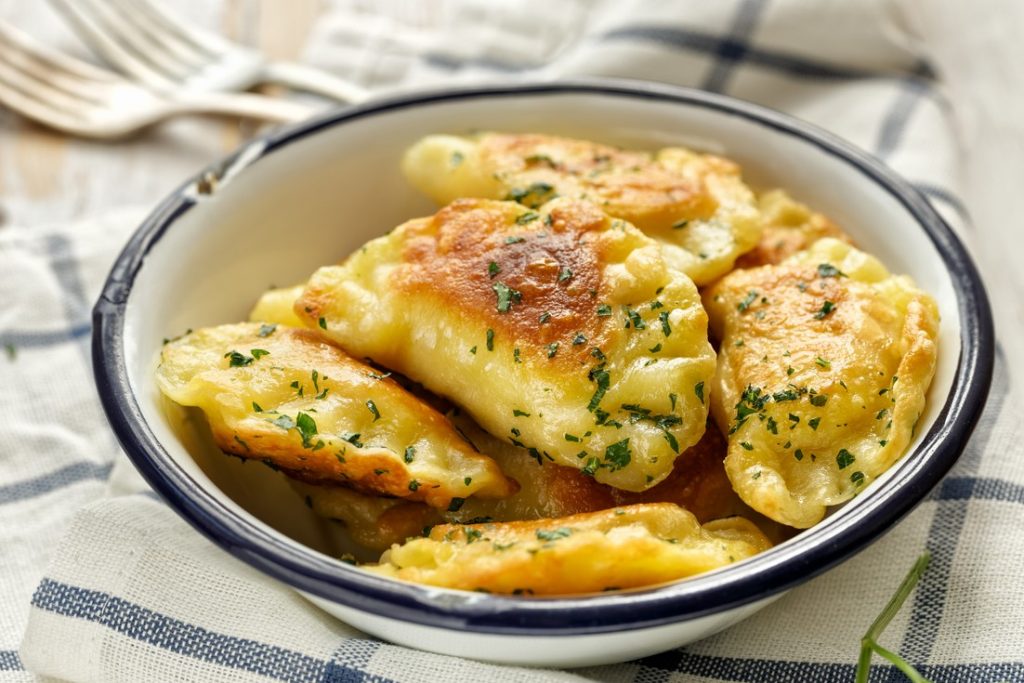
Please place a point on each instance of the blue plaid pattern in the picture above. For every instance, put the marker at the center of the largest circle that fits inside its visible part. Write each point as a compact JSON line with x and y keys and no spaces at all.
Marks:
{"x":729,"y":53}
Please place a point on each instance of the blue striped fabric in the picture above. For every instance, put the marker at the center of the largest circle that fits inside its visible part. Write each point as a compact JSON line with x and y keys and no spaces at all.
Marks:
{"x":734,"y":44}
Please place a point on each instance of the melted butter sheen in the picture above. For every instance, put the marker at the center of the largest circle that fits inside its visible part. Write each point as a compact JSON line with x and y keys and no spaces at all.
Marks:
{"x":695,"y":205}
{"x":540,"y":324}
{"x":824,"y":364}
{"x":624,"y":547}
{"x":301,"y":404}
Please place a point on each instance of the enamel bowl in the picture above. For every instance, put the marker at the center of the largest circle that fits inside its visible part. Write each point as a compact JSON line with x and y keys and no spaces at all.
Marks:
{"x":308,"y":195}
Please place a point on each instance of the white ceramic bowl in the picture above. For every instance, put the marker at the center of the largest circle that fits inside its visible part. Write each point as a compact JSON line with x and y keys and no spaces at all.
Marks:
{"x":302,"y":197}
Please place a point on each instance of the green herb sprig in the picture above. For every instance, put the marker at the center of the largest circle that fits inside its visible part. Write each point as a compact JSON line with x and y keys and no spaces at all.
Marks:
{"x":869,"y":643}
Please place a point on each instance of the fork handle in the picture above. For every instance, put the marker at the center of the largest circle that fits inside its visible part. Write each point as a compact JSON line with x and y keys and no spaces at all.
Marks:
{"x":246,"y":105}
{"x":301,"y":77}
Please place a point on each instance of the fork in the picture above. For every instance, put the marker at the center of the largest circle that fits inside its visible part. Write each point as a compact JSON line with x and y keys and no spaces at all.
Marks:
{"x":79,"y":98}
{"x":149,"y":46}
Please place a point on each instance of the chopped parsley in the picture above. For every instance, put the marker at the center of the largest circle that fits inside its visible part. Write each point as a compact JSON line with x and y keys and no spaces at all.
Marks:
{"x":857,"y":478}
{"x":819,"y":400}
{"x":750,"y":298}
{"x":564,"y":274}
{"x":746,"y":445}
{"x":493,"y":269}
{"x":322,"y":322}
{"x":373,"y":409}
{"x":413,"y":484}
{"x":814,"y":422}
{"x":514,"y":240}
{"x":635,"y":319}
{"x":238,"y":360}
{"x":679,"y":225}
{"x":604,"y":310}
{"x":307,"y":428}
{"x":571,"y":437}
{"x":519,"y":413}
{"x":552,"y":349}
{"x":490,"y":339}
{"x":266,"y":330}
{"x":844,"y":458}
{"x":506,"y":296}
{"x":828,"y":270}
{"x":456,"y":504}
{"x":553,"y":535}
{"x":579,"y":339}
{"x":601,"y":377}
{"x":527,"y":217}
{"x":655,"y":348}
{"x":665,"y":327}
{"x":698,"y":389}
{"x":544,"y":317}
{"x":618,"y":454}
{"x":256,"y":407}
{"x":410,"y":453}
{"x":822,"y":363}
{"x":826,"y":309}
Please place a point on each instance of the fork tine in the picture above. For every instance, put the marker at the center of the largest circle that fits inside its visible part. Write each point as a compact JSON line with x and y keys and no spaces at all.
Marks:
{"x":207,"y":42}
{"x":121,"y":29}
{"x":31,"y":108}
{"x":92,"y":32}
{"x":21,"y":41}
{"x":52,"y":70}
{"x":168,"y":41}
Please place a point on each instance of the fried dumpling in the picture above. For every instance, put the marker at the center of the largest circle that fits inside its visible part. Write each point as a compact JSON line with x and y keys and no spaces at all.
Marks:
{"x":624,"y":547}
{"x":697,"y":483}
{"x":696,"y":205}
{"x":374,"y":522}
{"x":789,"y":227}
{"x":824,"y":364}
{"x":287,"y":397}
{"x":277,"y":306}
{"x":559,"y":329}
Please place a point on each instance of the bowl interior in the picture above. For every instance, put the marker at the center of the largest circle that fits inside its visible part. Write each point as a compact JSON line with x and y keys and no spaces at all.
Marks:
{"x":320,"y":196}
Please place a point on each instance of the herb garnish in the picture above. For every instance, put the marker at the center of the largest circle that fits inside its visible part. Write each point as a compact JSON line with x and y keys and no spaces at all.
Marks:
{"x":828,"y":270}
{"x":266,"y":330}
{"x":373,"y":409}
{"x":869,"y":643}
{"x":493,"y":268}
{"x":826,"y":308}
{"x":698,"y":389}
{"x":506,"y":296}
{"x":618,"y":454}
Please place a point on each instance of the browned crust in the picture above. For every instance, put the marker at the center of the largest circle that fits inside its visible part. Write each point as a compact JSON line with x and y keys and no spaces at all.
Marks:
{"x":626,"y":184}
{"x":447,"y":257}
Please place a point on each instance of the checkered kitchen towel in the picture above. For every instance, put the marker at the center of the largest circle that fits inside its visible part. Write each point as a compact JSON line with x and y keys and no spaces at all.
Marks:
{"x":99,"y":581}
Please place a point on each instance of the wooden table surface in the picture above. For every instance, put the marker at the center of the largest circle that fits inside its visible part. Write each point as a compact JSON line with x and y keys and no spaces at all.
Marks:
{"x":46,"y":177}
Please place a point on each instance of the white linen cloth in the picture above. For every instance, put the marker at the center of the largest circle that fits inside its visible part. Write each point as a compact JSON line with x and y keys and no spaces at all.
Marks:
{"x":99,"y":581}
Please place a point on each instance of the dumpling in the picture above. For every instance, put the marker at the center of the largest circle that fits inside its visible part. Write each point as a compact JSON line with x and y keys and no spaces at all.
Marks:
{"x":824,"y":364}
{"x":373,"y":522}
{"x":697,"y":483}
{"x":558,"y":329}
{"x":624,"y":547}
{"x":696,"y":205}
{"x":789,"y":227}
{"x":277,"y":306}
{"x":286,"y":397}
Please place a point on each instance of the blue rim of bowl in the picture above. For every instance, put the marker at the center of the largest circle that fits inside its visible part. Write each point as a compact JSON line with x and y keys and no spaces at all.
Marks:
{"x":809,"y":554}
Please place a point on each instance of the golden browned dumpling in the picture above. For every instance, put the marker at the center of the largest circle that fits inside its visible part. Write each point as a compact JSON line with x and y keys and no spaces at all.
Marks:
{"x":697,"y":483}
{"x":789,"y":227}
{"x":286,"y":397}
{"x":625,"y":547}
{"x":696,"y":205}
{"x":824,"y":364}
{"x":373,"y":522}
{"x":558,"y":329}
